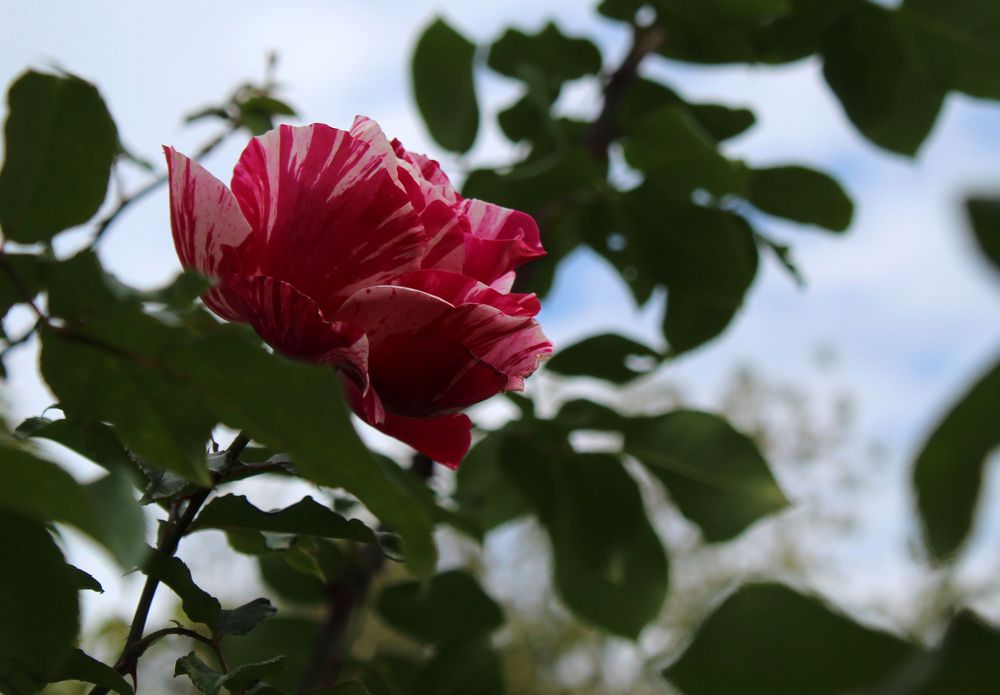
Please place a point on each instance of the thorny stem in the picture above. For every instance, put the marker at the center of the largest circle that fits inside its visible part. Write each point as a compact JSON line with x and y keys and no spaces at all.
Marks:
{"x":177,"y":525}
{"x":155,"y":183}
{"x":344,"y":597}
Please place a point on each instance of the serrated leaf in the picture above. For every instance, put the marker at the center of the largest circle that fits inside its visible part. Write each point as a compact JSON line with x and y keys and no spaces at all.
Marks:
{"x":802,"y":195}
{"x":198,"y":605}
{"x":306,"y":517}
{"x":444,"y":88}
{"x":445,"y":608}
{"x":606,"y":356}
{"x":239,"y":621}
{"x":715,"y":474}
{"x":60,"y":145}
{"x":769,"y":639}
{"x":243,"y":677}
{"x":203,"y":677}
{"x":104,"y":509}
{"x":80,"y":666}
{"x":984,"y":214}
{"x":950,"y":467}
{"x":39,"y":618}
{"x":876,"y":68}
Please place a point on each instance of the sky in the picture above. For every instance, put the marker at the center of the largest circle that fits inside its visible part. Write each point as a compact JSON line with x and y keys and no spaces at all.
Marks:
{"x":902,"y":299}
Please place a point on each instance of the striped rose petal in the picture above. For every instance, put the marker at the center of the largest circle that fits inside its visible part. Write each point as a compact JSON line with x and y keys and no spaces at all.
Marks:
{"x":329,"y":215}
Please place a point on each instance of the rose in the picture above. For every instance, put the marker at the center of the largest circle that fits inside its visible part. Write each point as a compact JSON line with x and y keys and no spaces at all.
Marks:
{"x":341,"y":248}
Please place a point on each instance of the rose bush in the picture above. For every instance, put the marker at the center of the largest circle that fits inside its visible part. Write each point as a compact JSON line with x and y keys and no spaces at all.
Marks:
{"x":342,"y":248}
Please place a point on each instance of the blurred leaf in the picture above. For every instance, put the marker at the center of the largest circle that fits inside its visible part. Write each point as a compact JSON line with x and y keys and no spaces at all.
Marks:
{"x":803,"y":195}
{"x":610,"y":568}
{"x":581,"y":414}
{"x":482,"y":491}
{"x":84,"y":581}
{"x":95,"y":441}
{"x":949,"y":468}
{"x":644,"y":96}
{"x":39,"y":616}
{"x":79,"y":666}
{"x":60,"y":145}
{"x":446,"y":608}
{"x":716,"y":475}
{"x":467,"y":667}
{"x":346,"y":688}
{"x":289,"y":583}
{"x":294,"y":637}
{"x":959,"y":43}
{"x":877,"y":69}
{"x":667,"y":143}
{"x":257,"y":112}
{"x":551,"y":53}
{"x":239,"y":621}
{"x":965,"y":662}
{"x":443,"y":86}
{"x":391,"y":674}
{"x":20,"y":279}
{"x":984,"y":214}
{"x":604,"y":356}
{"x":198,"y":605}
{"x":767,"y":638}
{"x":104,"y":509}
{"x":306,"y":517}
{"x":179,"y":293}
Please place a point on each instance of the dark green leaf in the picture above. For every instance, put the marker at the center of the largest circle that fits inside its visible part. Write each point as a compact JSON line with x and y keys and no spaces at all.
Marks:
{"x":959,"y":43}
{"x":610,"y":568}
{"x":549,"y":52}
{"x":966,"y":661}
{"x":644,"y":96}
{"x":203,"y":677}
{"x":670,"y":145}
{"x":243,"y":677}
{"x":770,"y":639}
{"x":294,"y":637}
{"x":482,"y":491}
{"x":198,"y":605}
{"x":443,"y":86}
{"x":715,"y":474}
{"x":79,"y":666}
{"x":239,"y":621}
{"x":877,"y":69}
{"x":288,"y":582}
{"x":20,"y":279}
{"x":105,"y":509}
{"x":84,"y":581}
{"x":984,"y":213}
{"x":346,"y":688}
{"x":949,"y":468}
{"x":92,"y":440}
{"x":606,"y":356}
{"x":60,"y":144}
{"x":306,"y":517}
{"x":581,"y":414}
{"x":803,"y":195}
{"x":468,"y":667}
{"x":447,"y":607}
{"x":39,"y":616}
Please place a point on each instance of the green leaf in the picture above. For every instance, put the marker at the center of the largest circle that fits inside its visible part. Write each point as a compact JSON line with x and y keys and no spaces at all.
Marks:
{"x":239,"y":621}
{"x":769,"y":639}
{"x":39,"y":616}
{"x":467,"y":667}
{"x":95,"y":441}
{"x":551,"y":53}
{"x":306,"y":517}
{"x":606,"y":356}
{"x":203,"y":677}
{"x":581,"y":414}
{"x":482,"y":490}
{"x":198,"y":605}
{"x":20,"y":279}
{"x":803,"y":195}
{"x":443,"y":86}
{"x":671,"y":146}
{"x":84,"y":581}
{"x":295,"y":637}
{"x":949,"y":469}
{"x":60,"y":145}
{"x":644,"y":96}
{"x":959,"y":43}
{"x":80,"y":666}
{"x":965,"y":662}
{"x":877,"y":69}
{"x":289,"y":583}
{"x":610,"y":568}
{"x":715,"y":474}
{"x":984,"y":214}
{"x":105,"y":509}
{"x":346,"y":688}
{"x":448,"y":607}
{"x":243,"y":677}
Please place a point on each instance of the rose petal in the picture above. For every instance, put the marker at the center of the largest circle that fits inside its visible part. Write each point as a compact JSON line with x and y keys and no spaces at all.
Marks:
{"x":458,"y":289}
{"x":293,"y":324}
{"x":210,"y":233}
{"x":328,"y":210}
{"x":500,"y":240}
{"x":443,"y":439}
{"x":433,"y":182}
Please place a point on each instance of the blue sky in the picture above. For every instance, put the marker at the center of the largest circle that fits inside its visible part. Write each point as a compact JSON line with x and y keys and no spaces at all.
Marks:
{"x":902,"y":298}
